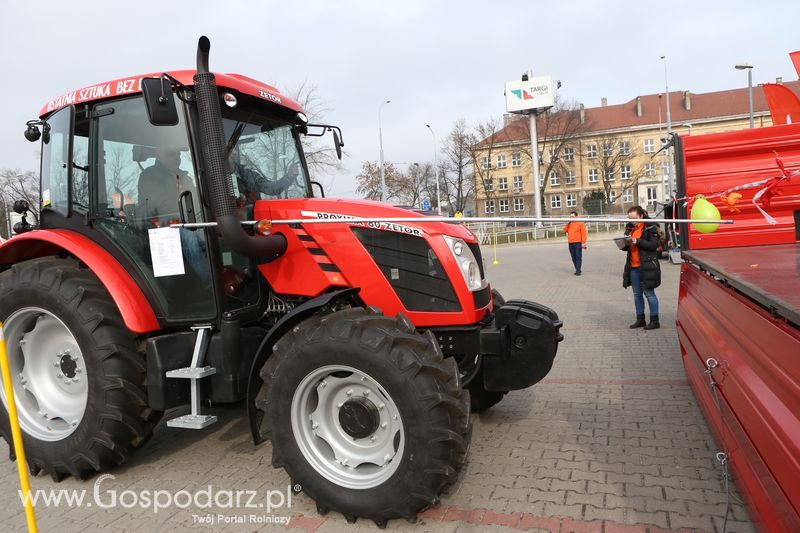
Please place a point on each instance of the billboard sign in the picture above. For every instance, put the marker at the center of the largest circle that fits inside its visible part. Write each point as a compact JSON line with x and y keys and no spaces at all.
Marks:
{"x":536,"y":93}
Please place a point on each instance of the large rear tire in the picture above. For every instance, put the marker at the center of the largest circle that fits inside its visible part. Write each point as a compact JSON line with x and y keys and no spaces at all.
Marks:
{"x":78,"y":372}
{"x":365,"y":414}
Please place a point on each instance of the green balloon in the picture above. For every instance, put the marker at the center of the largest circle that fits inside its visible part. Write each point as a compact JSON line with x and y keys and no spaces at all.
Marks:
{"x":702,"y":209}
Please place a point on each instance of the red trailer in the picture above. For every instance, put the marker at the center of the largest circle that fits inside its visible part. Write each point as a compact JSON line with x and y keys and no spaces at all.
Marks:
{"x":739,"y":312}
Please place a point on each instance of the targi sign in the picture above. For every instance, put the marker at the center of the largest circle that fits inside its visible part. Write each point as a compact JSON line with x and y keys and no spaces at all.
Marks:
{"x":536,"y":93}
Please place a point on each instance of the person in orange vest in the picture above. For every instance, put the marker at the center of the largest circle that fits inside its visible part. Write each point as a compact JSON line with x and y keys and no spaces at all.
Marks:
{"x":576,"y":237}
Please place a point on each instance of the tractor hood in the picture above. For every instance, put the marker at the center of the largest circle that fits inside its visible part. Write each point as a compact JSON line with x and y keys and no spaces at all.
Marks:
{"x":342,"y":209}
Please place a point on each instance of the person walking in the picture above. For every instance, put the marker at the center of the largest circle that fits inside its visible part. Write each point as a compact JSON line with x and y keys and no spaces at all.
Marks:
{"x":642,"y":270}
{"x":576,"y":238}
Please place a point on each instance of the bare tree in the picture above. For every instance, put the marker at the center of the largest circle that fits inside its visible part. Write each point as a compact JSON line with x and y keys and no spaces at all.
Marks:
{"x":557,"y":131}
{"x":398,"y":185}
{"x":484,"y":138}
{"x":320,"y":151}
{"x":18,"y":185}
{"x":615,"y":158}
{"x":456,"y":182}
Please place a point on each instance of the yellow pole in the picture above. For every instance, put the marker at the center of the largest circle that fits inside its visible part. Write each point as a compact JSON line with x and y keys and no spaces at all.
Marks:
{"x":494,"y":231}
{"x":19,"y":450}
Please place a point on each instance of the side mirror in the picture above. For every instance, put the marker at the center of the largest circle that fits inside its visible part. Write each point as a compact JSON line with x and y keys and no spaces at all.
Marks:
{"x":337,"y":142}
{"x":160,"y":101}
{"x":318,"y":184}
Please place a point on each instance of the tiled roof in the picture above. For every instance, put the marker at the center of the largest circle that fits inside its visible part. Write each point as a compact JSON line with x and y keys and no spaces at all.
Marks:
{"x":703,"y":106}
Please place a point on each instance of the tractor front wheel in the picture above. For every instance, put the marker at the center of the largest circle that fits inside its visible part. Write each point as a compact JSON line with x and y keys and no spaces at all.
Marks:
{"x":364,"y":414}
{"x":78,"y":376}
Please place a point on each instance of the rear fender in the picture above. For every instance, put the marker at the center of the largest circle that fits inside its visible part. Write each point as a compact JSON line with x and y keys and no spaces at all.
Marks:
{"x":136,"y":311}
{"x":287,"y":322}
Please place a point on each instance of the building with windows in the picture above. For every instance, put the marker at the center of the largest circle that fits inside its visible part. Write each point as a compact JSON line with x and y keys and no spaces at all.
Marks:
{"x":614,"y":150}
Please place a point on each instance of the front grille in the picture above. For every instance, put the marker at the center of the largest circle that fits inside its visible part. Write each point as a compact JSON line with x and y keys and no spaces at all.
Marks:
{"x":412,"y":269}
{"x":476,"y":251}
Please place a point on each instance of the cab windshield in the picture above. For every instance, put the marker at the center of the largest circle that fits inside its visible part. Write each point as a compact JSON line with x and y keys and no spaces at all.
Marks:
{"x":264,"y":158}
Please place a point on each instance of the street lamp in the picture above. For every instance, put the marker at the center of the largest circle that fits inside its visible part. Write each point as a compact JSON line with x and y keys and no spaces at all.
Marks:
{"x":671,"y":186}
{"x":436,"y":171}
{"x":749,"y":68}
{"x":380,"y":140}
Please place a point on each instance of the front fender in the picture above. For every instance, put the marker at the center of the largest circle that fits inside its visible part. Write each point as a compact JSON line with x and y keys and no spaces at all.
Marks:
{"x":287,"y":322}
{"x":136,"y":311}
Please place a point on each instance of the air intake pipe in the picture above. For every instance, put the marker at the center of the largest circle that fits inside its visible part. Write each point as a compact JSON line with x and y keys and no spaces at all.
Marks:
{"x":218,"y":176}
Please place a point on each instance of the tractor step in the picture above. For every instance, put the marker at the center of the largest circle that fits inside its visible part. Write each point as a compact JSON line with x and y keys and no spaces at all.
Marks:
{"x":195,"y":420}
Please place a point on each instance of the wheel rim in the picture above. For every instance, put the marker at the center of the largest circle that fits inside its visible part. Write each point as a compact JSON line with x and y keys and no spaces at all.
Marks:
{"x":347,"y":427}
{"x":48,"y":374}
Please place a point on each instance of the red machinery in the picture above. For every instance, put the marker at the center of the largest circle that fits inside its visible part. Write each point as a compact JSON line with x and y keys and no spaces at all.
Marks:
{"x":739,"y":312}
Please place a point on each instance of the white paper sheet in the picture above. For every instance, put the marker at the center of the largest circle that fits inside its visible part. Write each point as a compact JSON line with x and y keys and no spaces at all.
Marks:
{"x":166,"y":252}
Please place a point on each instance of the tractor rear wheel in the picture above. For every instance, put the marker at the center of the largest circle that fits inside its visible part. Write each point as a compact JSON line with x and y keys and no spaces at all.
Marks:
{"x":365,"y":414}
{"x":78,"y":373}
{"x":480,"y":398}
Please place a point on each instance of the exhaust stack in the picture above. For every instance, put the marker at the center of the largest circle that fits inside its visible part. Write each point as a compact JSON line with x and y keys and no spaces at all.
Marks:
{"x":218,"y":175}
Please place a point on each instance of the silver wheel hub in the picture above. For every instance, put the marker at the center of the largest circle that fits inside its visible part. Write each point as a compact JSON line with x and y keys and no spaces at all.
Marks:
{"x":347,"y":427}
{"x":49,"y":374}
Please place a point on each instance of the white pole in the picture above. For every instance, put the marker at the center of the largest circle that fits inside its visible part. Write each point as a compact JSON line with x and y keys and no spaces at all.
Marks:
{"x":750,"y":94}
{"x":436,"y":171}
{"x":537,"y":190}
{"x":380,"y":140}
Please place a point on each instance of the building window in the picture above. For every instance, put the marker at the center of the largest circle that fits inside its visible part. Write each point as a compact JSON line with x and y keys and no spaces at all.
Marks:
{"x":664,"y":169}
{"x":501,"y":161}
{"x":569,"y":154}
{"x":504,"y":206}
{"x":652,"y":195}
{"x":503,"y":184}
{"x":627,"y":196}
{"x":554,"y":181}
{"x":649,"y":146}
{"x":608,"y":149}
{"x":569,"y":178}
{"x":489,"y":207}
{"x":625,"y":172}
{"x":591,"y":151}
{"x":488,"y":185}
{"x":649,"y":169}
{"x":610,"y":175}
{"x":516,"y":159}
{"x":572,"y":199}
{"x":594,"y":175}
{"x":487,"y":162}
{"x":624,"y":148}
{"x":517,"y":183}
{"x":666,"y":190}
{"x":519,"y":204}
{"x":555,"y":201}
{"x":612,"y":196}
{"x":541,"y":181}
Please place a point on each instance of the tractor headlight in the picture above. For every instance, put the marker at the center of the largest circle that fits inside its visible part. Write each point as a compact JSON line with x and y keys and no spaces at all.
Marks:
{"x":466,"y":262}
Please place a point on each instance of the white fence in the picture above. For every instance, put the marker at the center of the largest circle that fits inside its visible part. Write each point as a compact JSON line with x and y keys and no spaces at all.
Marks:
{"x":489,"y":233}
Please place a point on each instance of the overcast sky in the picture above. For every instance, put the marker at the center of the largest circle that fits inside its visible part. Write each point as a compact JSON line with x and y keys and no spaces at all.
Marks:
{"x":436,"y":61}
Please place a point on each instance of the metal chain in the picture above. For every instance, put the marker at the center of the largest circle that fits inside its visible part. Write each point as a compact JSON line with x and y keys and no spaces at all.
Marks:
{"x":721,"y":456}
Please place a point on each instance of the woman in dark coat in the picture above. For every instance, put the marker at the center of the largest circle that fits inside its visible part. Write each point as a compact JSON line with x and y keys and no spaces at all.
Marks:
{"x":642,"y":269}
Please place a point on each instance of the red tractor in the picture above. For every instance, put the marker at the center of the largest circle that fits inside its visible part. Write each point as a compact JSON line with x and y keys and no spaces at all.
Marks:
{"x":156,"y":280}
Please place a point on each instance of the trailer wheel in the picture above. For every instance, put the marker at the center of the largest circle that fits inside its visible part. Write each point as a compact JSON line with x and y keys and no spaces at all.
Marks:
{"x":480,"y":398}
{"x":365,"y":414}
{"x":78,"y":375}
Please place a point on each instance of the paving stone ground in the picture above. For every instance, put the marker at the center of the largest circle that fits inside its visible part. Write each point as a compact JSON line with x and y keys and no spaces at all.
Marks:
{"x":612,"y":440}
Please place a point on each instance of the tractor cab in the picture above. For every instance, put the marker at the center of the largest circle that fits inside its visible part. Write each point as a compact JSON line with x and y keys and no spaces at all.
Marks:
{"x":115,"y":170}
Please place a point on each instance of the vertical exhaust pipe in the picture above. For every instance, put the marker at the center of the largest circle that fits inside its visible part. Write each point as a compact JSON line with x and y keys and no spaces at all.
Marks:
{"x":218,"y":175}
